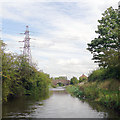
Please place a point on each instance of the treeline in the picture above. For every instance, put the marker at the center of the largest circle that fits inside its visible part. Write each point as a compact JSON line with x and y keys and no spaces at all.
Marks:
{"x":19,"y":77}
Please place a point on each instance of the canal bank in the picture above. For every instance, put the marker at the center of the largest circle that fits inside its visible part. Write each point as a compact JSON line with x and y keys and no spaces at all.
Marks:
{"x":103,"y":94}
{"x":58,"y":104}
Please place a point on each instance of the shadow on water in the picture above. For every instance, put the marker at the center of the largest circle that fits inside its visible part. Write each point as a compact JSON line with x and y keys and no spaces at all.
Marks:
{"x":22,"y":106}
{"x":108,"y":113}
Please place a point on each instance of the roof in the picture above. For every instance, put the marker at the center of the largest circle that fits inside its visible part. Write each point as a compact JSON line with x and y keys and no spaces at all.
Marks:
{"x":83,"y":75}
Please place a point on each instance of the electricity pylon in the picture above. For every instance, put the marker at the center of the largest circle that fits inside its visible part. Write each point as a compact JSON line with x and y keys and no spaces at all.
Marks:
{"x":26,"y":48}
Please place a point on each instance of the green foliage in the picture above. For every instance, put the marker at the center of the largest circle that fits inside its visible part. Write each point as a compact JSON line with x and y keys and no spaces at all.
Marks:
{"x":54,"y":86}
{"x":106,"y":47}
{"x":98,"y":75}
{"x":106,"y":52}
{"x":102,"y":74}
{"x":73,"y":89}
{"x":99,"y":92}
{"x":19,"y":77}
{"x":60,"y":84}
{"x":61,"y":78}
{"x":74,"y":81}
{"x":82,"y":79}
{"x":108,"y":37}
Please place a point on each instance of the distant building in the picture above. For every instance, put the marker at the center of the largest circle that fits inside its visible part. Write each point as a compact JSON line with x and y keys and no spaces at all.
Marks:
{"x":83,"y":76}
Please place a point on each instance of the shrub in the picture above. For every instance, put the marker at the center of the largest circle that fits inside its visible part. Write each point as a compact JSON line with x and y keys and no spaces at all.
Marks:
{"x":98,"y":75}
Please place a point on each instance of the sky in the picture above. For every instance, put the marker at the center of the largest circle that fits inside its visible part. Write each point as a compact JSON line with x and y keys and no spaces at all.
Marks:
{"x":59,"y":32}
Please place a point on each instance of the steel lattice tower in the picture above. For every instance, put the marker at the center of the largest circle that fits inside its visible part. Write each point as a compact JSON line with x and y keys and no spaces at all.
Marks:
{"x":26,"y":48}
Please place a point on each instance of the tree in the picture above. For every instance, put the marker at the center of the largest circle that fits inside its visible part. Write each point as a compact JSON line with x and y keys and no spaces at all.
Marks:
{"x":74,"y":81}
{"x":106,"y":46}
{"x":19,"y":77}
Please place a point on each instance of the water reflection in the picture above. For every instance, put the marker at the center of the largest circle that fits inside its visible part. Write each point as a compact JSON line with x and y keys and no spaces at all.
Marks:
{"x":100,"y":108}
{"x":57,"y":104}
{"x":22,"y":106}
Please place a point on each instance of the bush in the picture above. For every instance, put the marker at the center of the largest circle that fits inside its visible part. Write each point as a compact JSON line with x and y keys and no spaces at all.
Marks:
{"x":75,"y":90}
{"x":98,"y":75}
{"x":74,"y":81}
{"x":103,"y":74}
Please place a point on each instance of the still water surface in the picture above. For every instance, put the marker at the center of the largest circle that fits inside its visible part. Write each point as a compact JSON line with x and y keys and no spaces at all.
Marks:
{"x":59,"y":104}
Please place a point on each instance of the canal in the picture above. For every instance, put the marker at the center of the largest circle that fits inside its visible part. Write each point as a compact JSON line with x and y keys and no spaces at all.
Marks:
{"x":58,"y":104}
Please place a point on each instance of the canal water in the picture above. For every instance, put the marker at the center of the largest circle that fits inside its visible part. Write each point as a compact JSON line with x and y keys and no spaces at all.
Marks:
{"x":58,"y":104}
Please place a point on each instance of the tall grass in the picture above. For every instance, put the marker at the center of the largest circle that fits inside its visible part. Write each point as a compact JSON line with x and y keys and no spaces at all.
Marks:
{"x":100,"y":92}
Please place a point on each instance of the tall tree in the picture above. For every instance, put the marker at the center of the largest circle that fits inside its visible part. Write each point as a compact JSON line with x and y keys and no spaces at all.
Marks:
{"x":106,"y":47}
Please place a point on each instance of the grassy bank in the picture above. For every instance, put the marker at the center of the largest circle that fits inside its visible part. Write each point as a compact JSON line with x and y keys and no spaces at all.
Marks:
{"x":105,"y":93}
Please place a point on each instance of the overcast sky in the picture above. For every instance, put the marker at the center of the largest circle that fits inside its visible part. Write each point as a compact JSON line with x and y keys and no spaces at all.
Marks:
{"x":59,"y":32}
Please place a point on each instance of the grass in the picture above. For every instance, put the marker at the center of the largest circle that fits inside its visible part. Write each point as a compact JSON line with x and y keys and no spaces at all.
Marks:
{"x":105,"y":93}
